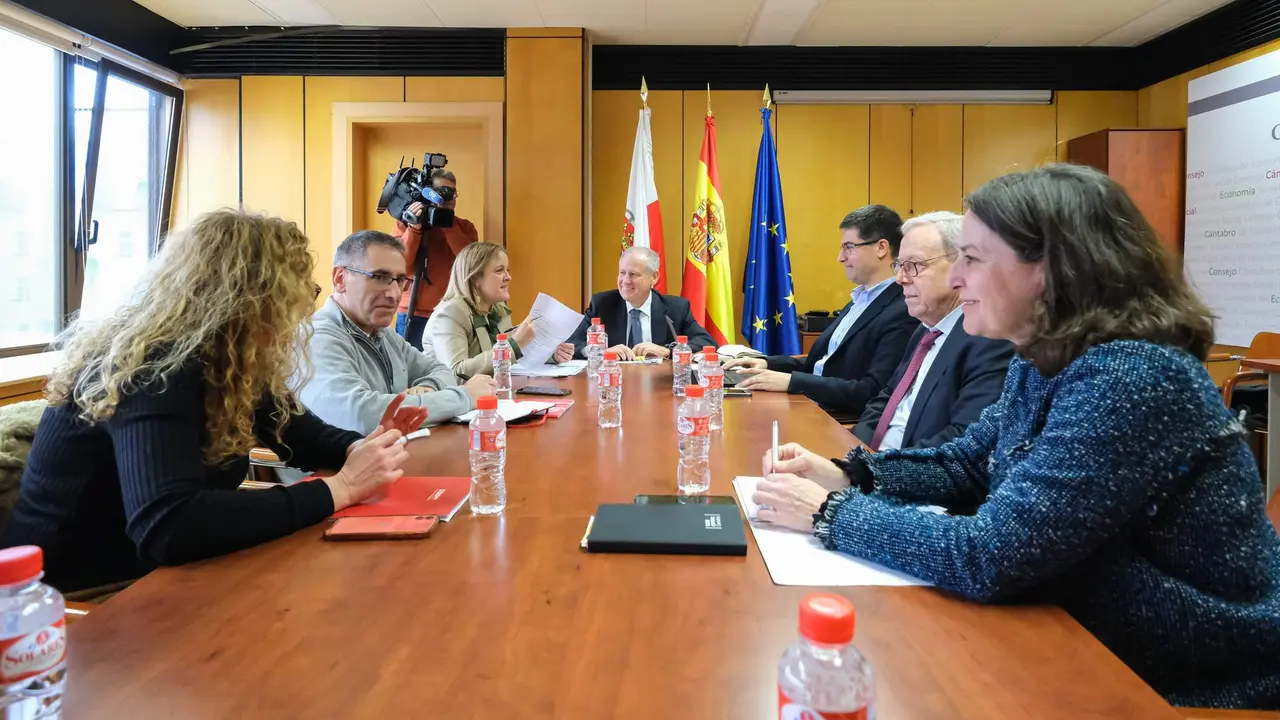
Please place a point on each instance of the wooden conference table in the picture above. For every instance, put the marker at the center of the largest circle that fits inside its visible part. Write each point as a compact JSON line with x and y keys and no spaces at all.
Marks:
{"x":507,"y":617}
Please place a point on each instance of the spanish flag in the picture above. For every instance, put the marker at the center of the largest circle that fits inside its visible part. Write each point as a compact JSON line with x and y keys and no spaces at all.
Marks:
{"x":706,"y":265}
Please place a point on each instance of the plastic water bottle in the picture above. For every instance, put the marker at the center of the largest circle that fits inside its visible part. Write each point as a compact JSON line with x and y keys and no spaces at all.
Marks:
{"x":711,"y":378}
{"x":610,"y":381}
{"x":33,"y":637}
{"x":824,"y":677}
{"x":596,"y":340}
{"x":488,"y":442}
{"x":502,"y":367}
{"x":693,"y":475}
{"x":681,"y":365}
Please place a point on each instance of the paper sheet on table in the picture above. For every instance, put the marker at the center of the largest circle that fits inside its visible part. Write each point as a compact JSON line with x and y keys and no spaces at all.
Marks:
{"x":795,"y":558}
{"x":567,"y":369}
{"x":556,"y":323}
{"x":509,"y":410}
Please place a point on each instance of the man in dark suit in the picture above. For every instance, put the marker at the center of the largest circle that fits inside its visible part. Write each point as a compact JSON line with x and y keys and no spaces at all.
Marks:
{"x":946,"y":377}
{"x":851,"y":362}
{"x":639,"y":320}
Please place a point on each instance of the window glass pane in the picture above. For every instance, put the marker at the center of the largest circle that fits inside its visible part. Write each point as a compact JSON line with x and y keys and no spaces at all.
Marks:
{"x":127,"y":194}
{"x":29,"y":200}
{"x":84,"y":80}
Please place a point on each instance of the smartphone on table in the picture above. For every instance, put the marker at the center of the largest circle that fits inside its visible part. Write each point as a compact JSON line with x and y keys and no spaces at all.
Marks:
{"x":542,"y":390}
{"x":382,"y":527}
{"x":684,"y":500}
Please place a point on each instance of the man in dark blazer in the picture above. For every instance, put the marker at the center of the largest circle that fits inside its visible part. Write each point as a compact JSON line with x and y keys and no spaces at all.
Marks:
{"x":640,"y":322}
{"x":851,"y":362}
{"x":947,"y":377}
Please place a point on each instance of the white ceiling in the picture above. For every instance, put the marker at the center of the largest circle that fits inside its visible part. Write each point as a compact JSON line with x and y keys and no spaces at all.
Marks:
{"x":736,"y":22}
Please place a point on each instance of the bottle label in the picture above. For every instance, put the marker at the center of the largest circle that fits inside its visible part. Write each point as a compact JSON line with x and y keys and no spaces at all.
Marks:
{"x":489,"y":440}
{"x":693,"y":425}
{"x":713,"y":382}
{"x":34,"y":654}
{"x":610,"y":379}
{"x":594,"y":338}
{"x":500,"y":354}
{"x":684,"y":358}
{"x":788,"y":710}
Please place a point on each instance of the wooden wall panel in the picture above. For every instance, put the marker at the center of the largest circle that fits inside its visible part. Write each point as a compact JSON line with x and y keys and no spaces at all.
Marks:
{"x":1000,"y":139}
{"x":275,"y":168}
{"x":454,"y":89}
{"x":545,"y":240}
{"x":1164,"y":105}
{"x":210,"y":168}
{"x":890,"y":157}
{"x":824,"y":159}
{"x":321,"y":93}
{"x":737,"y":144}
{"x":937,"y":158}
{"x":613,"y":133}
{"x":1080,"y":113}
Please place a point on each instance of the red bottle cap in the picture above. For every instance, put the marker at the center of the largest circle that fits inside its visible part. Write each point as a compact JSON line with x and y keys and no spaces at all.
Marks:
{"x":709,"y":348}
{"x":682,"y":339}
{"x":710,"y":357}
{"x":611,"y":356}
{"x":20,"y":564}
{"x":488,"y":402}
{"x":826,"y":618}
{"x":693,"y":391}
{"x":502,"y":337}
{"x":595,"y":321}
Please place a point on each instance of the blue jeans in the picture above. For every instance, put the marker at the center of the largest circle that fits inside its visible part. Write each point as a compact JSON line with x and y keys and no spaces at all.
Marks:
{"x":416,"y":324}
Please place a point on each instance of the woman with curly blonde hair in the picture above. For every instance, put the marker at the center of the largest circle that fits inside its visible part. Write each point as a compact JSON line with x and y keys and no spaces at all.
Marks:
{"x":152,"y":414}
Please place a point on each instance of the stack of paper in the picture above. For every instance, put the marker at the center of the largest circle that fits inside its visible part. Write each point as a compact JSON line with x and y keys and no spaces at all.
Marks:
{"x":795,"y":558}
{"x":568,"y":369}
{"x":555,"y":322}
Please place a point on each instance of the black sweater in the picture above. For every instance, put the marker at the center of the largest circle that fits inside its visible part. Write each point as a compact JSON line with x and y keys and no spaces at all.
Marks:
{"x":111,"y":501}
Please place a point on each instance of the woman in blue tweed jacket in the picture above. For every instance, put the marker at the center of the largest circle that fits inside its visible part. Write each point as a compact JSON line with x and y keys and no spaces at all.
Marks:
{"x":1108,"y":478}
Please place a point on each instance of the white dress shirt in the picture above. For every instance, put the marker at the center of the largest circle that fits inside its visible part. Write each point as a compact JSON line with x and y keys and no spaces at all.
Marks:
{"x":645,"y":315}
{"x":862,"y":297}
{"x":898,"y":424}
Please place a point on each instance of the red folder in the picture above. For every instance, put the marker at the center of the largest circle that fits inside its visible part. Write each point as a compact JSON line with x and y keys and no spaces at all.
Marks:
{"x":560,"y":407}
{"x":442,"y":496}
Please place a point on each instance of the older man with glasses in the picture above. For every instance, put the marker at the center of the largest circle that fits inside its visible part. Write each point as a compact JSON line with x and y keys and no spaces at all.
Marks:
{"x":361,"y":363}
{"x":947,"y":377}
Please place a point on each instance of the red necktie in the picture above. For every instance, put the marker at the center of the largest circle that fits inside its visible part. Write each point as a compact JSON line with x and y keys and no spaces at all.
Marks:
{"x":904,"y":386}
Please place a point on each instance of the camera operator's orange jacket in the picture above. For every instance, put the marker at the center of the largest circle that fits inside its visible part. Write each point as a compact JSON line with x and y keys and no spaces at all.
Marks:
{"x":443,"y":245}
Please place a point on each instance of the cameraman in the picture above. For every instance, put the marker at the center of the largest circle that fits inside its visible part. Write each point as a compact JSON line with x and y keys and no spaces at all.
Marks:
{"x":443,"y":245}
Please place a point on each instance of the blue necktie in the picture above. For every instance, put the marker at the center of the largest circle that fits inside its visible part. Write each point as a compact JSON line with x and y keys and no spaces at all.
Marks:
{"x":633,"y":330}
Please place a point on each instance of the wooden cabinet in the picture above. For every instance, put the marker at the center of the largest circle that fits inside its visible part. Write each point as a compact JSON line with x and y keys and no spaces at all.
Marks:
{"x":1151,"y":165}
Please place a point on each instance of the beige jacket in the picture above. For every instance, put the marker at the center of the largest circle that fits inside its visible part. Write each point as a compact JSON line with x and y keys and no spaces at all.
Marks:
{"x":457,"y":343}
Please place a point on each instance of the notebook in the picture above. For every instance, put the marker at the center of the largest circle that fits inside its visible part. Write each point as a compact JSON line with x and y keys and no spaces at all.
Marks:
{"x":559,"y":408}
{"x":668,"y":530}
{"x":442,"y":496}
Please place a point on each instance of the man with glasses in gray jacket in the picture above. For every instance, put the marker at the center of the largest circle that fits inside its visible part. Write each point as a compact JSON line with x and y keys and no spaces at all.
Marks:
{"x":360,"y":362}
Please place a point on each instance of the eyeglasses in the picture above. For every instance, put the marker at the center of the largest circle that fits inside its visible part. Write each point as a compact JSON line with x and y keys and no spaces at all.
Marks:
{"x":383,"y":279}
{"x":848,"y":247}
{"x":913,"y":268}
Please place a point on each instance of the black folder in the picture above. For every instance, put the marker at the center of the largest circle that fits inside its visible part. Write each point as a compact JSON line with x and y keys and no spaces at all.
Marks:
{"x":668,"y":529}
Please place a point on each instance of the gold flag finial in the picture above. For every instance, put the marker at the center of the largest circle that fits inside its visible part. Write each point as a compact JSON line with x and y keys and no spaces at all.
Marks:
{"x":644,"y":92}
{"x":708,"y":98}
{"x":768,"y":99}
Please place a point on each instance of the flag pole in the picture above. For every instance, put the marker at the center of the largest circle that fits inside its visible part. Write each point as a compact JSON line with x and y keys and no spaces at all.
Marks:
{"x":644,"y":93}
{"x":768,"y":99}
{"x":708,"y":99}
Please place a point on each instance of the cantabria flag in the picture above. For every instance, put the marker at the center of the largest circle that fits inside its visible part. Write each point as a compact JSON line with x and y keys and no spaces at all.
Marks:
{"x":644,"y":220}
{"x":707,"y":286}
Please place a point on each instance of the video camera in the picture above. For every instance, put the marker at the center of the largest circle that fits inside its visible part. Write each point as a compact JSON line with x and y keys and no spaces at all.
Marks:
{"x":409,"y":185}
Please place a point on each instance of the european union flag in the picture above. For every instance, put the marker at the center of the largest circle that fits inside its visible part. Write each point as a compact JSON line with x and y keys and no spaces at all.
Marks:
{"x":769,"y":301}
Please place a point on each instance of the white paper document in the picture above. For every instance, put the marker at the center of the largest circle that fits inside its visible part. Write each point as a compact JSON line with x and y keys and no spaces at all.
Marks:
{"x":556,"y":323}
{"x":509,"y":410}
{"x":795,"y":558}
{"x":568,"y":369}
